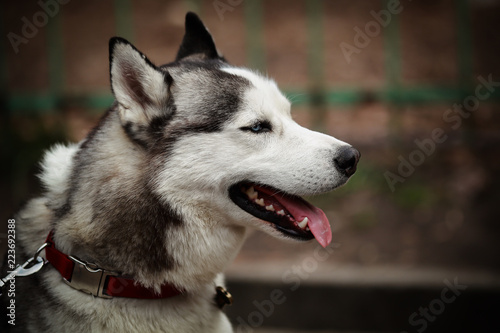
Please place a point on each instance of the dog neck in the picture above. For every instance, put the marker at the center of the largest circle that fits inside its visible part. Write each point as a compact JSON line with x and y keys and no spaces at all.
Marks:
{"x":113,"y":217}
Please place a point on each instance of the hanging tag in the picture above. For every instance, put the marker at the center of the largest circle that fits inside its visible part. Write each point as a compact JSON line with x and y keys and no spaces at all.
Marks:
{"x":223,"y":297}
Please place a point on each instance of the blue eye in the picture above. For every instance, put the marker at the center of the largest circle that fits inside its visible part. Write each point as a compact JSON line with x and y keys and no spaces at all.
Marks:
{"x":258,"y":127}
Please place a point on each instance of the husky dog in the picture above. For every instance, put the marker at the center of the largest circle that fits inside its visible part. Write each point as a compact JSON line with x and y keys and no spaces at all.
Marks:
{"x":160,"y":195}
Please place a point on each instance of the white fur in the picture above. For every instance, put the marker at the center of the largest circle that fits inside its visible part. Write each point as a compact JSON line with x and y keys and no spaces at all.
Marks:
{"x":56,"y":168}
{"x":291,"y":158}
{"x":192,"y":313}
{"x":194,"y":180}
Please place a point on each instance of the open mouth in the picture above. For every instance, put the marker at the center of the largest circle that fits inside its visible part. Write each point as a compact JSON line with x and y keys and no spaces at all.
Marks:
{"x":289,"y":214}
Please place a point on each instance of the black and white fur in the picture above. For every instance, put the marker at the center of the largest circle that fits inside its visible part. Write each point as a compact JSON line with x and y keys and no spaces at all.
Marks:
{"x":146,"y":192}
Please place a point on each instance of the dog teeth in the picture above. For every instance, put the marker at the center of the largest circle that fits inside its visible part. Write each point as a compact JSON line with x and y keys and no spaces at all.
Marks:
{"x":281,"y":212}
{"x":260,"y":202}
{"x":303,"y":223}
{"x":252,"y":194}
{"x":270,"y":208}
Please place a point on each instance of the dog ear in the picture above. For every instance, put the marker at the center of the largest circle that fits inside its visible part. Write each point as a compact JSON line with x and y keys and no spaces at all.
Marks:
{"x":197,"y":40}
{"x":140,"y":88}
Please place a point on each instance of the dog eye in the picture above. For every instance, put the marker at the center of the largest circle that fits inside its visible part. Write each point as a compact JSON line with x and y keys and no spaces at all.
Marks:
{"x":258,"y":127}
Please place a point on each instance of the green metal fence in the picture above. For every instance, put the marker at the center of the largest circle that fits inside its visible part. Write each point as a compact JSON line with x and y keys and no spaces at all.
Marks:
{"x":317,"y":92}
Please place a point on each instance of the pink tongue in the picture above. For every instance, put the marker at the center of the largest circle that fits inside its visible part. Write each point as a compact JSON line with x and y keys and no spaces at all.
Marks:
{"x":318,"y":223}
{"x":300,"y":209}
{"x":320,"y":227}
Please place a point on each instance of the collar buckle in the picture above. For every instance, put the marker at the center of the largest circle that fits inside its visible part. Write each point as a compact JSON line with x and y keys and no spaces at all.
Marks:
{"x":88,"y":278}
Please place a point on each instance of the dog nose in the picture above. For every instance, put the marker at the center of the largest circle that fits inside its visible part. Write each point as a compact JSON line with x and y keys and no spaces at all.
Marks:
{"x":347,"y":160}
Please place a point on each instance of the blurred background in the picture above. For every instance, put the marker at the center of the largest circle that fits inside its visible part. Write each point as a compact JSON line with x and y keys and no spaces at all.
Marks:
{"x":414,"y":85}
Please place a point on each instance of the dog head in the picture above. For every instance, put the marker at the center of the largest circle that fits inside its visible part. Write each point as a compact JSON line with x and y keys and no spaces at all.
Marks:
{"x":221,"y":143}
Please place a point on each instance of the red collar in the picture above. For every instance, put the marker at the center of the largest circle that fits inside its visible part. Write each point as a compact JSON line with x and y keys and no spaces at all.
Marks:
{"x":99,"y":282}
